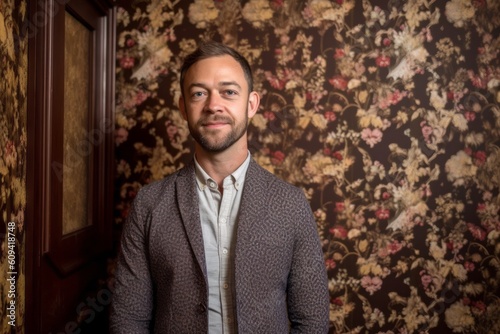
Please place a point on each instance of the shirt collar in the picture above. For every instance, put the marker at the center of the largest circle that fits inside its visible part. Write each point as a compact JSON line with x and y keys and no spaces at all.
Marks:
{"x":237,"y":177}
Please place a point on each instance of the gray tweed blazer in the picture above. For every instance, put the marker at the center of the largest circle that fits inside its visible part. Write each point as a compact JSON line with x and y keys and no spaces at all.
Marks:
{"x":161,"y":277}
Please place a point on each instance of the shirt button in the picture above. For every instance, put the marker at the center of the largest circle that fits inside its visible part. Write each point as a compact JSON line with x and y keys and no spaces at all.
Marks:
{"x":223,"y":220}
{"x":225,"y":286}
{"x":224,"y":251}
{"x":212,"y":185}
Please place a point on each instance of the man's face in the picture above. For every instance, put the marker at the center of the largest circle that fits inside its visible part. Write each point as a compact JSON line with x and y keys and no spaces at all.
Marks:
{"x":217,"y":104}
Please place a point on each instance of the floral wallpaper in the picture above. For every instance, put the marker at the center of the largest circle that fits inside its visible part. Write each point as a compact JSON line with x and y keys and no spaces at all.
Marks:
{"x":386,"y":114}
{"x":13,"y":110}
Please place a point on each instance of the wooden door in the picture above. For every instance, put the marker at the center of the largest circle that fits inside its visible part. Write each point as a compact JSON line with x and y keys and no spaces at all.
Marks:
{"x":70,"y":163}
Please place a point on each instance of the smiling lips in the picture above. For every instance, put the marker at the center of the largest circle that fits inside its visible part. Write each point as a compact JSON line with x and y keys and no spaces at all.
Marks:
{"x":216,"y":122}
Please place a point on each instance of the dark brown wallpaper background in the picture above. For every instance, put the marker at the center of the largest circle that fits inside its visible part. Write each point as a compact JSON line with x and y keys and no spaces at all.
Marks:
{"x":13,"y":141}
{"x":386,"y":114}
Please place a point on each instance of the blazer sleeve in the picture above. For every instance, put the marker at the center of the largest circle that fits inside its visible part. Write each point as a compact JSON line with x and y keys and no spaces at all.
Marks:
{"x":132,"y":303}
{"x":308,"y":296}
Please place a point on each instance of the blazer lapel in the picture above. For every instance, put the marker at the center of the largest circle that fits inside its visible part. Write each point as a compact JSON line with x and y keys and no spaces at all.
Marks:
{"x":187,"y":200}
{"x":253,"y":208}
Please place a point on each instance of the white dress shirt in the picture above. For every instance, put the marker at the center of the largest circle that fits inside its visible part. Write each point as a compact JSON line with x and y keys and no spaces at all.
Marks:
{"x":219,"y":217}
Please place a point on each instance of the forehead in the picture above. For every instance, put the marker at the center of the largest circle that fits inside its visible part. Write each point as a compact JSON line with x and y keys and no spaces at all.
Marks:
{"x":215,"y":70}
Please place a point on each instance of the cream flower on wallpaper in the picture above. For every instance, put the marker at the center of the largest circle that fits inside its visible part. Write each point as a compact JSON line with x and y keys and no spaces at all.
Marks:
{"x":122,"y":16}
{"x":3,"y":31}
{"x":318,"y":167}
{"x":459,"y":12}
{"x":257,"y":12}
{"x":202,"y":13}
{"x":410,"y":50}
{"x":460,"y":168}
{"x":458,"y":317}
{"x":318,"y":11}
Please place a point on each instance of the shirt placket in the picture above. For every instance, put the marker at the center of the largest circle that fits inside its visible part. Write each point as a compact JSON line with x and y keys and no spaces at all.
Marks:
{"x":225,"y":254}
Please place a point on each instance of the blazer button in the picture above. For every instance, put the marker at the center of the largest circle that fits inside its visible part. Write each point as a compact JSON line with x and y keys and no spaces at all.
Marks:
{"x":202,"y":308}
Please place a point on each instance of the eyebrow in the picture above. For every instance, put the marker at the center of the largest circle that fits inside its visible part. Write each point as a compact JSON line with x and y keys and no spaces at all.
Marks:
{"x":220,"y":84}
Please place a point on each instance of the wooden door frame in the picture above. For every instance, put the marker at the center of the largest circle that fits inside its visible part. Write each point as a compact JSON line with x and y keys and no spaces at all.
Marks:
{"x":44,"y":240}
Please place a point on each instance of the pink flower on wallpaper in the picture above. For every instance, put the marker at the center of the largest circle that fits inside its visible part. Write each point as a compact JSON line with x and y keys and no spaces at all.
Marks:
{"x":277,"y":82}
{"x":426,"y":132}
{"x":469,"y":266}
{"x":382,"y":214}
{"x":10,"y":153}
{"x":397,"y":96}
{"x":470,"y":116}
{"x":476,"y":231}
{"x":121,"y":136}
{"x":330,"y":116}
{"x":425,"y":191}
{"x":383,"y":61}
{"x":269,"y":115}
{"x":479,"y":3}
{"x":337,"y":301}
{"x":338,"y":231}
{"x":391,"y":98}
{"x":337,"y":155}
{"x":371,"y":137}
{"x":141,"y":96}
{"x":338,"y":82}
{"x":480,"y":158}
{"x":478,"y":307}
{"x":130,"y":42}
{"x":426,"y":279}
{"x":371,"y":284}
{"x":394,"y":247}
{"x":339,"y":53}
{"x":481,"y":207}
{"x":477,"y":80}
{"x":339,"y":206}
{"x":172,"y":130}
{"x":330,"y":264}
{"x":277,"y":3}
{"x":127,"y":62}
{"x":277,"y":157}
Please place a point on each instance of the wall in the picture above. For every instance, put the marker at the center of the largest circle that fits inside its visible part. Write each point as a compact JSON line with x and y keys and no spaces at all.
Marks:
{"x":386,"y":113}
{"x":13,"y":86}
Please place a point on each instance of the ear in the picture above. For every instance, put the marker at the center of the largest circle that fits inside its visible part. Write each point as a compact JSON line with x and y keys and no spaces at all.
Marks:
{"x":253,"y":103}
{"x":182,"y":107}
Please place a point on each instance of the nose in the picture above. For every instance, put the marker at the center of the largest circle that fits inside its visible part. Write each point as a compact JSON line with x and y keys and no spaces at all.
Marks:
{"x":213,"y":103}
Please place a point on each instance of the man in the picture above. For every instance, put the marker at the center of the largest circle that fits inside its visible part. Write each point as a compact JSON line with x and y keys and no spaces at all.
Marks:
{"x":222,"y":245}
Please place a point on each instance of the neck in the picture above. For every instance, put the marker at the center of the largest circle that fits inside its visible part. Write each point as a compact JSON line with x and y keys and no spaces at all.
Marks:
{"x":221,"y":164}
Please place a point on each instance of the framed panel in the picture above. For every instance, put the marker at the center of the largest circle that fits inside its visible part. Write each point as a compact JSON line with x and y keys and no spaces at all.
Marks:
{"x":78,"y":64}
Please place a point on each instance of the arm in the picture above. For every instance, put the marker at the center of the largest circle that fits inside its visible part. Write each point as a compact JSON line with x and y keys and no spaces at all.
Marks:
{"x":308,"y":297}
{"x":132,"y":304}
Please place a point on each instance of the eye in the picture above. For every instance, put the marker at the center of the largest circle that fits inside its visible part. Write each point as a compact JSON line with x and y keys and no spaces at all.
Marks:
{"x":230,"y":92}
{"x":197,"y":95}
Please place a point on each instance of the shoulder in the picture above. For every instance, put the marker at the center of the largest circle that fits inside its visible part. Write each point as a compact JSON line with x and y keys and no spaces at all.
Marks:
{"x":266,"y":177}
{"x":275,"y":187}
{"x":152,"y":193}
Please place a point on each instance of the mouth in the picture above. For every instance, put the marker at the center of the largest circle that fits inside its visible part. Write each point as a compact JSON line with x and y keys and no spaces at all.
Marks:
{"x":214,"y":123}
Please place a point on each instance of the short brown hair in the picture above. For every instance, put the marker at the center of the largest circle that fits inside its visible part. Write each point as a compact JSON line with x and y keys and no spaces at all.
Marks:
{"x":215,"y":49}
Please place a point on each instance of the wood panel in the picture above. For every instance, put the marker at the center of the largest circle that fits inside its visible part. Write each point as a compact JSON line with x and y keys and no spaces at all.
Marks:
{"x":65,"y":259}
